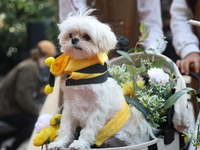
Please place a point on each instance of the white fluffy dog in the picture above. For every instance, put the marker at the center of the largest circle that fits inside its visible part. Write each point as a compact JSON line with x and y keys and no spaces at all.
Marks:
{"x":91,"y":106}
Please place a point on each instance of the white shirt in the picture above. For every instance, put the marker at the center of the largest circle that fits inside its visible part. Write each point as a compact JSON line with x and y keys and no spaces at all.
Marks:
{"x":184,"y":40}
{"x":149,"y":11}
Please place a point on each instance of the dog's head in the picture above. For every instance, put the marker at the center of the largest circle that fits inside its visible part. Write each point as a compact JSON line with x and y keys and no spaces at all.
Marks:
{"x":82,"y":36}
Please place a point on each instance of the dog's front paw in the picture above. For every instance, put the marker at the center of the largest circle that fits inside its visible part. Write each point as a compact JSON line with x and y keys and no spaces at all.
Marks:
{"x":56,"y":145}
{"x":77,"y":144}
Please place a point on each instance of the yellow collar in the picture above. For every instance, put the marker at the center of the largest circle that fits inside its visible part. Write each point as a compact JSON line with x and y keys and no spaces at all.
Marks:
{"x":66,"y":64}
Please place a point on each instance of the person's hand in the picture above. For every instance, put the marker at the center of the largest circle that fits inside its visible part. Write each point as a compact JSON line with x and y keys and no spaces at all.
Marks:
{"x":191,"y":60}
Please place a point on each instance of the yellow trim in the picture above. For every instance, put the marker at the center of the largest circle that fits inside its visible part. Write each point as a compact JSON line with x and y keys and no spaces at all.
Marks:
{"x":114,"y":125}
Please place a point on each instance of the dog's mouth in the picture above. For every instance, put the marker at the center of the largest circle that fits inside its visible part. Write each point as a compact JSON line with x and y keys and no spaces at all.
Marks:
{"x":76,"y":47}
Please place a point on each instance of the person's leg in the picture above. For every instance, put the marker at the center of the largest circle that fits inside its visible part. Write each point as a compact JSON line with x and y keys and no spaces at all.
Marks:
{"x":8,"y":131}
{"x":4,"y":137}
{"x":25,"y":124}
{"x":22,"y":136}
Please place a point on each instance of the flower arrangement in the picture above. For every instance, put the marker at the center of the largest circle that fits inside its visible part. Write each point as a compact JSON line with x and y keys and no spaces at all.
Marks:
{"x":147,"y":83}
{"x":146,"y":88}
{"x":46,"y":128}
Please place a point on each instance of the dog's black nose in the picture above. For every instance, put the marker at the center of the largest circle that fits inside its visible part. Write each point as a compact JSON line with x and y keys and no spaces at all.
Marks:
{"x":75,"y":40}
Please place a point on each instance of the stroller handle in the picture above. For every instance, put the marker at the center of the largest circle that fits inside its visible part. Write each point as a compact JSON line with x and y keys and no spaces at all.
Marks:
{"x":197,"y":77}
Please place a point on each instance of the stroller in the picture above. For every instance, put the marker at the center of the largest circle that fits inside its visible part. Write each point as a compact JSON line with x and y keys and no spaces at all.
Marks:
{"x":195,"y":102}
{"x":176,"y":123}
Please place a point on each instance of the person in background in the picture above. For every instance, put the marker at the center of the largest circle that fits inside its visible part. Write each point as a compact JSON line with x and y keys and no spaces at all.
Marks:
{"x":186,"y":39}
{"x":185,"y":36}
{"x":17,"y":107}
{"x":124,"y":18}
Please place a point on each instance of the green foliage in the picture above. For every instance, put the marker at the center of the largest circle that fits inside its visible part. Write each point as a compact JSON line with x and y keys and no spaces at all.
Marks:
{"x":172,"y":99}
{"x":144,"y":35}
{"x":193,"y":136}
{"x":120,"y":73}
{"x":138,"y":105}
{"x":14,"y":16}
{"x":125,"y":54}
{"x":156,"y":97}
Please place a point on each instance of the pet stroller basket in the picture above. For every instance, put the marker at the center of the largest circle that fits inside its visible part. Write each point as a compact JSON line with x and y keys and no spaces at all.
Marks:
{"x":179,"y":120}
{"x":179,"y":117}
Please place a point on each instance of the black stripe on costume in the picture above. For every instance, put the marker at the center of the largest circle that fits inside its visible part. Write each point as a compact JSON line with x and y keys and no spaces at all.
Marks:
{"x":97,"y":68}
{"x":51,"y":77}
{"x":57,"y":55}
{"x":153,"y":147}
{"x":95,"y":80}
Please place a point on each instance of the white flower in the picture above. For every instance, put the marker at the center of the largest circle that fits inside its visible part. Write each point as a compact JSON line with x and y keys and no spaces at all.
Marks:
{"x":158,"y":76}
{"x":42,"y":122}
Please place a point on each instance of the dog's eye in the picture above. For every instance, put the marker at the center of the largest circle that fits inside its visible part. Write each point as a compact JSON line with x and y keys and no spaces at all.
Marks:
{"x":86,"y":37}
{"x":70,"y":35}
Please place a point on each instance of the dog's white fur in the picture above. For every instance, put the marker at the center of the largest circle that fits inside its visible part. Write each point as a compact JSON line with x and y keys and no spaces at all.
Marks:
{"x":91,"y":106}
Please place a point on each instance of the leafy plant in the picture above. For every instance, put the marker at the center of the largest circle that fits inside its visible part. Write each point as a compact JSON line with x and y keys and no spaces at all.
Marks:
{"x":149,"y":88}
{"x":193,"y":136}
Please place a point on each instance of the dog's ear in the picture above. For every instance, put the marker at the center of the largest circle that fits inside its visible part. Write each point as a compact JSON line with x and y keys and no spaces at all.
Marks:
{"x":107,"y":40}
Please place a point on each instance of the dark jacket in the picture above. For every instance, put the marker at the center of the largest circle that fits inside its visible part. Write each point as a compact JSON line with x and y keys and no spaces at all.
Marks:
{"x":121,"y":15}
{"x":17,"y":88}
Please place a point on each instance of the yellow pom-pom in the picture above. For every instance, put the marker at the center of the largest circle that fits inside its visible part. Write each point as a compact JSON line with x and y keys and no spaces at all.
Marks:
{"x":49,"y":60}
{"x":48,"y":89}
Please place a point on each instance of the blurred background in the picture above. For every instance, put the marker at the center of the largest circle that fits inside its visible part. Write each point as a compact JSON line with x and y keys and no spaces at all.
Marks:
{"x":23,"y":23}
